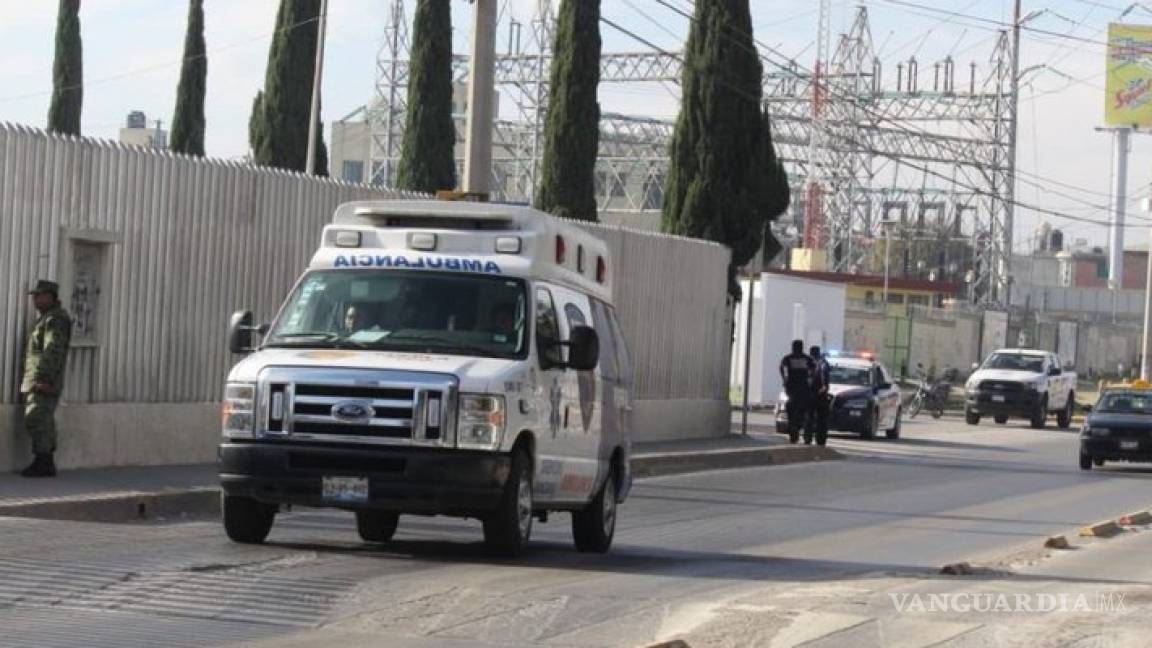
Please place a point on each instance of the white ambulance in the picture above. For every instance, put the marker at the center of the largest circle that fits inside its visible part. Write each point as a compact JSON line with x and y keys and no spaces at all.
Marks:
{"x":436,"y":358}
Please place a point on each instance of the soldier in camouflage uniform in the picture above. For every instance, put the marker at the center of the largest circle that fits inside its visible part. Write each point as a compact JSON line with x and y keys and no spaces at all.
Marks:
{"x":44,"y":361}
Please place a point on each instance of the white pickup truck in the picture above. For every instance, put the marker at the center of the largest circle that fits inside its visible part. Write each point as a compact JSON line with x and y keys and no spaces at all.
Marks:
{"x":1023,"y":383}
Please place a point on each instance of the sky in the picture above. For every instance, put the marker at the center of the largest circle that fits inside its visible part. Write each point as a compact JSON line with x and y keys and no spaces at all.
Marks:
{"x":132,"y":50}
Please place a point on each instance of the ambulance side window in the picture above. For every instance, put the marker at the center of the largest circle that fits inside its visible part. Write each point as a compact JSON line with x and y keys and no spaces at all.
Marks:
{"x":575,"y":316}
{"x":608,"y":354}
{"x":623,"y":359}
{"x":547,"y":330}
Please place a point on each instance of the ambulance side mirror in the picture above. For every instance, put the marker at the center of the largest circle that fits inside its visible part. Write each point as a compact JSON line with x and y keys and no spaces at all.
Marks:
{"x":583,"y":348}
{"x":240,"y":332}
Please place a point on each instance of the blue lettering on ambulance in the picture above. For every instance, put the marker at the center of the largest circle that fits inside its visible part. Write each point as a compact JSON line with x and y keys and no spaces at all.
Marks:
{"x":435,"y":263}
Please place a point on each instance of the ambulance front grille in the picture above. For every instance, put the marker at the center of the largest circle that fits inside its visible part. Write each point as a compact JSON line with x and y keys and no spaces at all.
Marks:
{"x":364,"y":412}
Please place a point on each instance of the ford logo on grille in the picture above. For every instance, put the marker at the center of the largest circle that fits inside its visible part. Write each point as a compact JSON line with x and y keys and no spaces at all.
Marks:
{"x":353,"y":411}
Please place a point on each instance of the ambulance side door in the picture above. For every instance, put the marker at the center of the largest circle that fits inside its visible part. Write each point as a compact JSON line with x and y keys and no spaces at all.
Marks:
{"x":580,"y":410}
{"x":547,"y":395}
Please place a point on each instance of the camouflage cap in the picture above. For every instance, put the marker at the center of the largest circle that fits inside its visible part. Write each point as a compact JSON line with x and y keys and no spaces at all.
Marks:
{"x":45,"y":286}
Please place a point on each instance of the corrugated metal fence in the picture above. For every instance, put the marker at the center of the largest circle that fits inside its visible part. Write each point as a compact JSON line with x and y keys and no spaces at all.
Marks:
{"x":180,"y":243}
{"x":184,"y":243}
{"x":672,"y":301}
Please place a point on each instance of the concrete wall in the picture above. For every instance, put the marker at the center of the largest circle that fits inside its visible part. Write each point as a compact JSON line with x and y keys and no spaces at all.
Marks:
{"x":865,"y":330}
{"x":180,"y":243}
{"x":944,"y":339}
{"x":1103,"y":346}
{"x":120,"y":434}
{"x":1125,"y":302}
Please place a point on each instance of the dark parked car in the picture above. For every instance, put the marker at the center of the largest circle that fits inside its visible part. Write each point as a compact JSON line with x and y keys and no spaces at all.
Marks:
{"x":1118,"y":426}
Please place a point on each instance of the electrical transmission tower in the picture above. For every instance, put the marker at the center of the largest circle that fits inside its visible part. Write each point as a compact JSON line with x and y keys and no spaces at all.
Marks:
{"x":931,"y":161}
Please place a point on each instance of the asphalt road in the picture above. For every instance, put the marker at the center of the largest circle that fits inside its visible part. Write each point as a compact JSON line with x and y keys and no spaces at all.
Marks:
{"x":688,"y":548}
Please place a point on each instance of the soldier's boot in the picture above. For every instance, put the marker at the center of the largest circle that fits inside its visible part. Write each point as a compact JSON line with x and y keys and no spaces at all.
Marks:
{"x":42,"y":466}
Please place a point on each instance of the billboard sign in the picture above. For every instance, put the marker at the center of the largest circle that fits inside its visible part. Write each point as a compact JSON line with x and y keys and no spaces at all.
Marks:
{"x":1128,"y":76}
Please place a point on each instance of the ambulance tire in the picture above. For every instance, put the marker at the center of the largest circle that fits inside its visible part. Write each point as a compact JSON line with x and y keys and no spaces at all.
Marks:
{"x":594,"y":527}
{"x":376,"y":526}
{"x":508,"y":528}
{"x":246,"y":520}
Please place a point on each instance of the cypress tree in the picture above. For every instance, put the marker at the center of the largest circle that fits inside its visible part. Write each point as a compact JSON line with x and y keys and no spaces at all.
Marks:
{"x":278,"y":131}
{"x":572,"y":126}
{"x":256,"y":123}
{"x":188,"y":124}
{"x":714,"y":171}
{"x":428,"y":152}
{"x":67,"y":72}
{"x":321,"y":168}
{"x":775,"y":194}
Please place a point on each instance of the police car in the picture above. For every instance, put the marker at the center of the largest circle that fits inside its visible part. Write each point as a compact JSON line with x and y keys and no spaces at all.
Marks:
{"x":865,"y":398}
{"x":1118,"y":427}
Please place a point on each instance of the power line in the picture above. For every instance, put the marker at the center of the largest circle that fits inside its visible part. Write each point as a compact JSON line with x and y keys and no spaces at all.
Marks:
{"x":998,"y":25}
{"x":898,"y":160}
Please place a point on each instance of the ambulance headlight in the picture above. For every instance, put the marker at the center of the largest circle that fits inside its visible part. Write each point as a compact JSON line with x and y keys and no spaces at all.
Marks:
{"x":481,"y":422}
{"x":238,"y":411}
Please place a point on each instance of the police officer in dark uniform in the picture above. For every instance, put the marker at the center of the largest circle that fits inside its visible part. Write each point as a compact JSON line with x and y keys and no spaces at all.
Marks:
{"x":821,"y":399}
{"x":797,"y":370}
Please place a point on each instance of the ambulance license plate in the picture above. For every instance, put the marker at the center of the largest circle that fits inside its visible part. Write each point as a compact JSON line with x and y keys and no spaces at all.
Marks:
{"x":348,"y":490}
{"x":1129,"y":445}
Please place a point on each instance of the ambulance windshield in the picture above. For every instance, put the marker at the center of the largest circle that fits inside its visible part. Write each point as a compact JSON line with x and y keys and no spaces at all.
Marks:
{"x":405,"y":311}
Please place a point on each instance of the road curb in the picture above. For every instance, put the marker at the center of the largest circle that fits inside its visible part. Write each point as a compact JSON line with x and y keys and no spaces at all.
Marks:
{"x":118,"y":507}
{"x":136,"y":506}
{"x":1105,"y":529}
{"x":657,"y":464}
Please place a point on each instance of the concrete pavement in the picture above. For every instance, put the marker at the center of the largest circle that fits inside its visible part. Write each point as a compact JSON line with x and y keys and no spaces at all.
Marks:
{"x":780,"y":555}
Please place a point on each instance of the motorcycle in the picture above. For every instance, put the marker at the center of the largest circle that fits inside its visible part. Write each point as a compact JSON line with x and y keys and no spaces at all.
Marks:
{"x":931,"y":396}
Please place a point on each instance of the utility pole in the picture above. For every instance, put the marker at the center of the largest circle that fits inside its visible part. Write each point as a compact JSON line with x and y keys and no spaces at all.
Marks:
{"x":1145,"y":352}
{"x":751,"y":297}
{"x":481,"y":91}
{"x":317,"y":75}
{"x":1010,"y":187}
{"x":157,"y":139}
{"x":1119,"y":203}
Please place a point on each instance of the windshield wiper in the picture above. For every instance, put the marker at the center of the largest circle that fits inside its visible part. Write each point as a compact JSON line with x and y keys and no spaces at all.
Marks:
{"x":444,"y":343}
{"x":333,"y":339}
